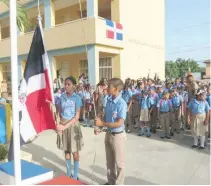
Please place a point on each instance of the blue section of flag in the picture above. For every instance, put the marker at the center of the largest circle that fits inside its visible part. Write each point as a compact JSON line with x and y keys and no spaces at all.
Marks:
{"x":28,"y":170}
{"x":109,"y":23}
{"x":119,"y":36}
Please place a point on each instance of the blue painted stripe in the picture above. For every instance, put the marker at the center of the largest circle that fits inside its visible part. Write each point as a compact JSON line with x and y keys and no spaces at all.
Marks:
{"x":109,"y":23}
{"x":28,"y":170}
{"x":119,"y":36}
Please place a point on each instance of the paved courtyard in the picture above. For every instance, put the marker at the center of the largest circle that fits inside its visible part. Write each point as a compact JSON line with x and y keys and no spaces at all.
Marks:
{"x":148,"y":160}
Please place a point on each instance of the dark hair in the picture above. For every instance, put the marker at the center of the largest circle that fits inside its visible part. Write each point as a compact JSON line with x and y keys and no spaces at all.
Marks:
{"x":72,"y":79}
{"x":117,"y":83}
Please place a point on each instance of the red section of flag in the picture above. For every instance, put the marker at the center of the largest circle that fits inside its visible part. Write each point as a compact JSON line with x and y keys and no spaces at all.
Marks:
{"x":110,"y":34}
{"x":119,"y":26}
{"x":39,"y":109}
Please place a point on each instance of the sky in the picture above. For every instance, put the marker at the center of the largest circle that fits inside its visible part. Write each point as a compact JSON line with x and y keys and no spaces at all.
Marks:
{"x":188,"y":29}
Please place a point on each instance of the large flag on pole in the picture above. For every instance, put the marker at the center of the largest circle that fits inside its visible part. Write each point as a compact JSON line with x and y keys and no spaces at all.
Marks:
{"x":35,"y":92}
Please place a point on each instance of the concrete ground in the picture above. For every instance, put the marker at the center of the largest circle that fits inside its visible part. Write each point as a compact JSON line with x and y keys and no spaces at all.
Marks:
{"x":148,"y":160}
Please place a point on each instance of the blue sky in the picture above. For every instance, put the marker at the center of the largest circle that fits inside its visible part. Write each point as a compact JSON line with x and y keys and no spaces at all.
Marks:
{"x":188,"y":28}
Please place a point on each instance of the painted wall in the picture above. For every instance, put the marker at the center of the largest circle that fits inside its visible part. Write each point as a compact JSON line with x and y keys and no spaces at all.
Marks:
{"x":63,"y":36}
{"x":144,"y":41}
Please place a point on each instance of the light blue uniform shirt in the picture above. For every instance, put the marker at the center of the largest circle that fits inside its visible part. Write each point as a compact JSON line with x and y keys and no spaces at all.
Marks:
{"x":57,"y":98}
{"x":144,"y":103}
{"x":127,"y":95}
{"x":164,"y":105}
{"x":177,"y":100}
{"x":209,"y":99}
{"x":69,"y":105}
{"x":153,"y":100}
{"x":198,"y":107}
{"x":184,"y":96}
{"x":160,"y":95}
{"x":114,"y":110}
{"x":3,"y":100}
{"x":104,"y":101}
{"x":87,"y":95}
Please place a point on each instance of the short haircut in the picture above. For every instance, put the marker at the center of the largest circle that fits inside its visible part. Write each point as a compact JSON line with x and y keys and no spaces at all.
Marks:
{"x":117,"y":83}
{"x":72,"y":79}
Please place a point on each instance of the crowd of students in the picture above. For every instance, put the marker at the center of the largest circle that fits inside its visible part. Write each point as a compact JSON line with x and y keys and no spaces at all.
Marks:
{"x":152,"y":104}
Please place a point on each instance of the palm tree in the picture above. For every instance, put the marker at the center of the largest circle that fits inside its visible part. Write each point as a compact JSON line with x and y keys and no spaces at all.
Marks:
{"x":23,"y":21}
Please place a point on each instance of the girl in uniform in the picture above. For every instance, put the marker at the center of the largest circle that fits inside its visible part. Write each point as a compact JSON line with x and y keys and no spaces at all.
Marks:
{"x":69,"y":138}
{"x":198,"y":118}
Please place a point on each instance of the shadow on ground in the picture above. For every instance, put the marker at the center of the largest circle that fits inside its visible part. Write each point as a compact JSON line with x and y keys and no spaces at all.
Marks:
{"x":184,"y":139}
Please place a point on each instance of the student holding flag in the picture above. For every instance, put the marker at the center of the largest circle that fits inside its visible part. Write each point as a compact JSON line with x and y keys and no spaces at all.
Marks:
{"x":70,"y":138}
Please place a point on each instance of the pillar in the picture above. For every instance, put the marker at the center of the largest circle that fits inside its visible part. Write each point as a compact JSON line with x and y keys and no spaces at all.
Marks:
{"x":93,"y":65}
{"x":20,"y":76}
{"x":0,"y":30}
{"x":49,"y":14}
{"x":54,"y":68}
{"x":92,"y":8}
{"x":116,"y":66}
{"x":115,"y":11}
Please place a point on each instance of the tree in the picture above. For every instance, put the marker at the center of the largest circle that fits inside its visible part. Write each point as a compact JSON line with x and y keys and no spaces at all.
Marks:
{"x":184,"y":65}
{"x":23,"y":21}
{"x":180,"y":67}
{"x":171,"y":70}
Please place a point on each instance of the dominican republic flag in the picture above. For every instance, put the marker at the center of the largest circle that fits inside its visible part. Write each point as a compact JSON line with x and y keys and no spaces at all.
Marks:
{"x":114,"y":30}
{"x":35,"y":93}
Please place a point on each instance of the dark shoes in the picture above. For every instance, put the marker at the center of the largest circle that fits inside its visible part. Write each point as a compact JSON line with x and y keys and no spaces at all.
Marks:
{"x":194,"y":146}
{"x":167,"y":137}
{"x":201,"y":148}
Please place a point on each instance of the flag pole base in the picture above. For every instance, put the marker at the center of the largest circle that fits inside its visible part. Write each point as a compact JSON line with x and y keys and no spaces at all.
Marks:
{"x":31,"y":173}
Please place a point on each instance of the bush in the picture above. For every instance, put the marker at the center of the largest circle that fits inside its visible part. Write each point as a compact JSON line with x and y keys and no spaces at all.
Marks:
{"x":3,"y":152}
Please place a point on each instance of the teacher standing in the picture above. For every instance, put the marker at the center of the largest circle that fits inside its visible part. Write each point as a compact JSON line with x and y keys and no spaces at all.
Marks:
{"x":70,"y":138}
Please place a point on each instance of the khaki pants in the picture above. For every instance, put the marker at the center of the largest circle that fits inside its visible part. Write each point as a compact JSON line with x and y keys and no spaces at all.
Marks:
{"x":114,"y":147}
{"x":176,"y":120}
{"x":165,"y":122}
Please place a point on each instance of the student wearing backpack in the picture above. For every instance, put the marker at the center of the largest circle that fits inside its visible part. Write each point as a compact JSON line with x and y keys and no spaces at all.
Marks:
{"x":164,"y":113}
{"x":198,"y":118}
{"x":176,"y":110}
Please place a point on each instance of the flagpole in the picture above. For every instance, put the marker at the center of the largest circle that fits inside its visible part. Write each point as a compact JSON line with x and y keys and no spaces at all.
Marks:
{"x":14,"y":70}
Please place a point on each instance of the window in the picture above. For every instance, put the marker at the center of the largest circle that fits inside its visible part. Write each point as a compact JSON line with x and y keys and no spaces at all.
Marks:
{"x":105,"y":67}
{"x":83,"y":67}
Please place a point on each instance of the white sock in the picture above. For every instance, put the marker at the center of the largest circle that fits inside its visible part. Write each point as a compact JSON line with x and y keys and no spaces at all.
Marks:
{"x":202,"y":140}
{"x":195,"y":140}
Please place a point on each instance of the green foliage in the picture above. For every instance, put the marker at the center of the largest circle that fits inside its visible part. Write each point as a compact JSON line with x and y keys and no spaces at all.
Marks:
{"x":23,"y":21}
{"x":179,"y":67}
{"x":3,"y":152}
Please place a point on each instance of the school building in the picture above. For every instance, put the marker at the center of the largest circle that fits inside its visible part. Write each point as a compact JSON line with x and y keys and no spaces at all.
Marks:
{"x":103,"y":38}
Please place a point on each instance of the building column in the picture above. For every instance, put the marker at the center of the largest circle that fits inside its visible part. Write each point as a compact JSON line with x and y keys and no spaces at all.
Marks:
{"x":93,"y":65}
{"x":115,"y":11}
{"x":53,"y":66}
{"x":49,"y":14}
{"x":0,"y":30}
{"x":92,"y":8}
{"x":20,"y":74}
{"x":116,"y":66}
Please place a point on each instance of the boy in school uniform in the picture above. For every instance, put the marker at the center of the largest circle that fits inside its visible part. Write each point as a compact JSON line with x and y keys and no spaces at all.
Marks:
{"x":198,"y":118}
{"x":115,"y":114}
{"x":164,"y":106}
{"x":144,"y":115}
{"x":177,"y":103}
